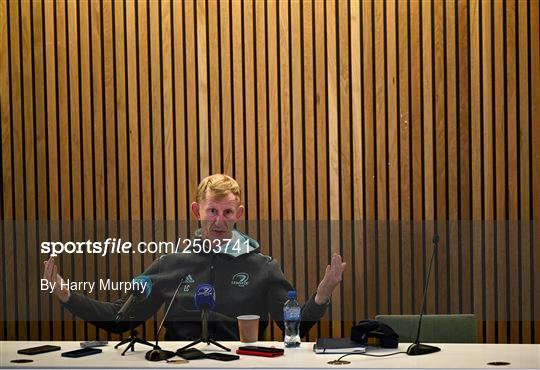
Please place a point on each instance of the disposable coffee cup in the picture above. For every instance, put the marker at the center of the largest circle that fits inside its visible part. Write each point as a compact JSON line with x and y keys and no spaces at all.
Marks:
{"x":248,"y":326}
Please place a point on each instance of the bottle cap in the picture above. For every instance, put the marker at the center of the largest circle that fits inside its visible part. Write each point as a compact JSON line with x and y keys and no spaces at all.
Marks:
{"x":292,"y":294}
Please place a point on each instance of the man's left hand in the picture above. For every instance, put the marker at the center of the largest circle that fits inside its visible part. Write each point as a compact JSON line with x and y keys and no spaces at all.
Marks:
{"x":332,"y":278}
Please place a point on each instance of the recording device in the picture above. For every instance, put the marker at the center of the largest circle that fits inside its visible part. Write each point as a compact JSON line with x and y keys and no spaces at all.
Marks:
{"x":158,"y":354}
{"x":190,"y":353}
{"x":260,"y":351}
{"x":384,"y":334}
{"x":205,"y":301}
{"x":38,"y":350}
{"x":94,"y":343}
{"x":82,"y":352}
{"x":142,"y":287}
{"x":337,"y":345}
{"x":417,"y":348}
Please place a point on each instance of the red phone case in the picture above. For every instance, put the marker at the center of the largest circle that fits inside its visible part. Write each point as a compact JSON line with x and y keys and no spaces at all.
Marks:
{"x":257,"y":353}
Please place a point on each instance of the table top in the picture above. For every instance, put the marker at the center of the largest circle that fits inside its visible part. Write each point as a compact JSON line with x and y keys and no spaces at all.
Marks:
{"x":455,"y":356}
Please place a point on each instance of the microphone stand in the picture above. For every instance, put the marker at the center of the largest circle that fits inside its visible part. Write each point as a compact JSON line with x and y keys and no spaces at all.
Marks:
{"x":132,"y":339}
{"x":417,"y":348}
{"x":158,"y":354}
{"x":204,"y":334}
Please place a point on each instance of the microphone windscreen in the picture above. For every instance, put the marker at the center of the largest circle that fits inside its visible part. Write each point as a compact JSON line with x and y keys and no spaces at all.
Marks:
{"x":205,"y":296}
{"x":141,"y":286}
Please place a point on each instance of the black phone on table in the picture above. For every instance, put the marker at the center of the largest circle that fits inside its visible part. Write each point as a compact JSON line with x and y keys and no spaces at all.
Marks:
{"x":37,"y":350}
{"x":82,"y":352}
{"x":221,"y":356}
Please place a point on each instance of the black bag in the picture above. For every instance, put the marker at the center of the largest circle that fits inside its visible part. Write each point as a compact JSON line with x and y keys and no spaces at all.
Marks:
{"x":365,"y":329}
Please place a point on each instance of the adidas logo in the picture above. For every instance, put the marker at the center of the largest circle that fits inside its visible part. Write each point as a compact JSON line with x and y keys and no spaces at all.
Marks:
{"x":189,"y":280}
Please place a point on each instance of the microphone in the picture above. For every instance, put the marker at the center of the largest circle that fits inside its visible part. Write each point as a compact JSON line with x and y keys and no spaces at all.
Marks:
{"x":141,"y":289}
{"x":417,"y":348}
{"x":205,"y":300}
{"x":158,"y":354}
{"x":205,"y":297}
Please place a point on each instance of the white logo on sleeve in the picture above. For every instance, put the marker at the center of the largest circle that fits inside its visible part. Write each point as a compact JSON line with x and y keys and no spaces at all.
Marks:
{"x":189,"y":280}
{"x":240,"y":279}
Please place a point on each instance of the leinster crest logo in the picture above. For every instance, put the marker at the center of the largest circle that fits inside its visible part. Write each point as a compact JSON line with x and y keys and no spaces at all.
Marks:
{"x":241,"y":280}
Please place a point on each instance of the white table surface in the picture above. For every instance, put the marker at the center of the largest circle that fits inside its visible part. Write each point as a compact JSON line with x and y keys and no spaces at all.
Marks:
{"x":456,"y":356}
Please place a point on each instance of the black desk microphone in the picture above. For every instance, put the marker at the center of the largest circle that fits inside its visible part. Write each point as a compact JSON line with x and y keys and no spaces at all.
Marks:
{"x":417,"y":348}
{"x":158,"y":354}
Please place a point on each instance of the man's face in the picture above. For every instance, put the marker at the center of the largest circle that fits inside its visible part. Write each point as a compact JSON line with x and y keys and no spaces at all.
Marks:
{"x":217,"y":215}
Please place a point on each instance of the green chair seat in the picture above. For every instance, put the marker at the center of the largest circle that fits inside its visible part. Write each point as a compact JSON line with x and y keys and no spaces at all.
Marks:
{"x":435,"y":328}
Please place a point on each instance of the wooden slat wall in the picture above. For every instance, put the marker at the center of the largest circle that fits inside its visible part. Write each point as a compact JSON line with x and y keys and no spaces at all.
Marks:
{"x":370,"y":112}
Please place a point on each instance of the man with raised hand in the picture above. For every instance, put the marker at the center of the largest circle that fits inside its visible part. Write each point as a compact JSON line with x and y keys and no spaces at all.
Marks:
{"x":245,"y":280}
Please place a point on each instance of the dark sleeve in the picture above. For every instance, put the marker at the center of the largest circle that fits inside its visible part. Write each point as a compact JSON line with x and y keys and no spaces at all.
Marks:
{"x":278,"y":286}
{"x":103,"y":314}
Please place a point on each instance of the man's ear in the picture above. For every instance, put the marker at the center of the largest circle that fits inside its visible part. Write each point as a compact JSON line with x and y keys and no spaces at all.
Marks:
{"x":195,"y":208}
{"x":239,"y":212}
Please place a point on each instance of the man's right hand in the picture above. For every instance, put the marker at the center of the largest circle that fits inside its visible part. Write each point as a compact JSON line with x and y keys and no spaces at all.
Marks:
{"x":52,"y":276}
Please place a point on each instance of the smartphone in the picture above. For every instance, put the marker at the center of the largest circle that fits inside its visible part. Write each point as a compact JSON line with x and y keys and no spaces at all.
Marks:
{"x":260,"y":351}
{"x":190,"y":354}
{"x":94,"y":343}
{"x":37,"y":350}
{"x":82,"y":352}
{"x":221,"y":356}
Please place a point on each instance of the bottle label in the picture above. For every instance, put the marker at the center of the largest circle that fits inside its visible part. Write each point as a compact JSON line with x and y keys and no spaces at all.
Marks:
{"x":291,"y":314}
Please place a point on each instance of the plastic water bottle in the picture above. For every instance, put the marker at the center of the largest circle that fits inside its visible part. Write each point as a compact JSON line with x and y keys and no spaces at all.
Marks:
{"x":291,"y":317}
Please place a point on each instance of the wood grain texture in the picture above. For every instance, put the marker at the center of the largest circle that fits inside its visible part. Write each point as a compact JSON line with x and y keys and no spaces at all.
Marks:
{"x":400,"y":119}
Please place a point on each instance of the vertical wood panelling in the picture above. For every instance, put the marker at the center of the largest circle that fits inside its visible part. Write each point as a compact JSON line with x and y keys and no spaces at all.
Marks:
{"x":332,"y":142}
{"x":358,"y":244}
{"x":534,"y":78}
{"x":250,"y":106}
{"x":464,"y":149}
{"x":237,"y":82}
{"x":121,"y":127}
{"x":489,"y":160}
{"x":214,"y":88}
{"x":523,"y":180}
{"x":226,"y":85}
{"x":416,"y":122}
{"x":370,"y":295}
{"x":404,"y":164}
{"x":392,"y":78}
{"x":408,"y":117}
{"x":6,"y":114}
{"x":476,"y":147}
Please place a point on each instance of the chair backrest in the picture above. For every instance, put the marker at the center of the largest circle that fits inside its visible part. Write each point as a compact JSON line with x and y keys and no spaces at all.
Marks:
{"x":435,"y":328}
